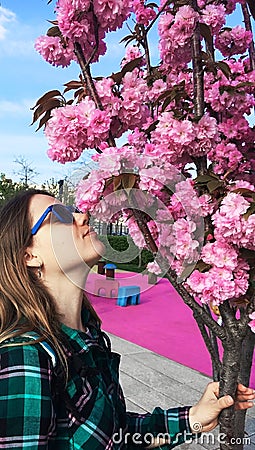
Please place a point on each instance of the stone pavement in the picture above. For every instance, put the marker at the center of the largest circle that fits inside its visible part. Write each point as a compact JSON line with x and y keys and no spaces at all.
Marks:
{"x":150,"y":380}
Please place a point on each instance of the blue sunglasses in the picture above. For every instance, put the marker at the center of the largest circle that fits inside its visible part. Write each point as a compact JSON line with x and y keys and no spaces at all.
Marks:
{"x":60,"y":213}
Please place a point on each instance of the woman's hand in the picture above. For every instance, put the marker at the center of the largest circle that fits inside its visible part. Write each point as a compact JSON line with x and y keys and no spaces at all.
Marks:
{"x":204,"y":415}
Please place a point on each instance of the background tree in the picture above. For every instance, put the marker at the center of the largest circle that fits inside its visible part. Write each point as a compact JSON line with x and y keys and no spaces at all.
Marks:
{"x":26,"y":172}
{"x":8,"y":188}
{"x":185,"y":116}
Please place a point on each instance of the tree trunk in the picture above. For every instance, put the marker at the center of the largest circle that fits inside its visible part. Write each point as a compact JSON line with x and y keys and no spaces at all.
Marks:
{"x":228,"y":384}
{"x":244,"y":378}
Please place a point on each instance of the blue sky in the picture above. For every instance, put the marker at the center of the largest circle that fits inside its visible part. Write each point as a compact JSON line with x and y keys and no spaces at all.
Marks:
{"x":25,"y":76}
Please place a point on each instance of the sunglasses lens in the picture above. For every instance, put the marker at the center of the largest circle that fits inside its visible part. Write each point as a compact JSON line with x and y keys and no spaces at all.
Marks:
{"x":62,"y":213}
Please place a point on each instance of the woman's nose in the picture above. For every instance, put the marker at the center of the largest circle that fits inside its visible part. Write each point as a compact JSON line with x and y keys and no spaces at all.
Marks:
{"x":81,"y":218}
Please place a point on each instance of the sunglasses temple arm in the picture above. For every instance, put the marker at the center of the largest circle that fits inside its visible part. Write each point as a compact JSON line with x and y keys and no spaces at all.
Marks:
{"x":40,"y":221}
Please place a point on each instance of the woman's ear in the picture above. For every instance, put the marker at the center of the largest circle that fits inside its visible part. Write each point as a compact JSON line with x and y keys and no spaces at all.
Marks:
{"x":31,"y":260}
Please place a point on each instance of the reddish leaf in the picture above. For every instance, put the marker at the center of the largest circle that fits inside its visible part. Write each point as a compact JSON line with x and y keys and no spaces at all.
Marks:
{"x":224,"y":67}
{"x":49,"y":105}
{"x":44,"y":120}
{"x":46,"y":97}
{"x":206,"y":33}
{"x":117,"y":182}
{"x":128,"y":180}
{"x":72,"y":85}
{"x":54,"y":31}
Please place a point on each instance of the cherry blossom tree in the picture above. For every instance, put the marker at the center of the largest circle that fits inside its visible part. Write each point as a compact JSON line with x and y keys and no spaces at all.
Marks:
{"x":174,"y":144}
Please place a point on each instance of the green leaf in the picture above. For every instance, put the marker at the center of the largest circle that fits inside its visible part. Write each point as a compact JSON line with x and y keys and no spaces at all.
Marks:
{"x":118,"y":76}
{"x":152,"y":127}
{"x":204,"y":179}
{"x":151,"y":5}
{"x":131,"y":65}
{"x":127,"y":38}
{"x":213,"y":185}
{"x":224,"y":67}
{"x":186,"y":272}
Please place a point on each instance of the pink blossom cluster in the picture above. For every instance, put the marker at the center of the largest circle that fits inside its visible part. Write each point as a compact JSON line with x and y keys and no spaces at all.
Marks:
{"x":89,"y":191}
{"x":175,"y":33}
{"x":153,"y":267}
{"x":225,"y":157}
{"x":177,"y":140}
{"x":132,"y":52}
{"x":76,"y":22}
{"x":230,"y":225}
{"x":224,"y":94}
{"x":134,"y":110}
{"x":72,"y":128}
{"x":54,"y":50}
{"x":223,"y":135}
{"x":233,"y":42}
{"x":80,"y":23}
{"x":214,"y":16}
{"x":219,"y":284}
{"x":144,"y":14}
{"x":227,"y":277}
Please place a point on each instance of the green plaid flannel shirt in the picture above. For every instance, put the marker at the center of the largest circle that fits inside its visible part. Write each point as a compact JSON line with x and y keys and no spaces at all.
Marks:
{"x":31,"y":419}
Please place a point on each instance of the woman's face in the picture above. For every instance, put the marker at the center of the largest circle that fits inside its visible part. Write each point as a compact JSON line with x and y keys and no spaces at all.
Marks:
{"x":67,"y":248}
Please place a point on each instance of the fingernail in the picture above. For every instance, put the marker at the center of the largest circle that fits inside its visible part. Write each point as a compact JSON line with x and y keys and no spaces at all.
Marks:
{"x":229,"y":400}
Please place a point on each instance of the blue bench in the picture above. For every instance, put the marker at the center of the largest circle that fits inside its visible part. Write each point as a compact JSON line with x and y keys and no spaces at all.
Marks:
{"x":128,"y":295}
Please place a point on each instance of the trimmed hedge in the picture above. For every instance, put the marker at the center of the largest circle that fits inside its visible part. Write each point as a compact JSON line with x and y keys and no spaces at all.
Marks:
{"x":122,"y":244}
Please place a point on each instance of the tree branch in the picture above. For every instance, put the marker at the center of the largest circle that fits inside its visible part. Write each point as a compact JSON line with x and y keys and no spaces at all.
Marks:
{"x":212,"y":349}
{"x":171,"y":275}
{"x":247,"y":22}
{"x":157,"y":16}
{"x":85,"y":68}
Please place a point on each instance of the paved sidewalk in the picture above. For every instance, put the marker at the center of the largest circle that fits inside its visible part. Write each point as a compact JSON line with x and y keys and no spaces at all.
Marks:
{"x":150,"y":380}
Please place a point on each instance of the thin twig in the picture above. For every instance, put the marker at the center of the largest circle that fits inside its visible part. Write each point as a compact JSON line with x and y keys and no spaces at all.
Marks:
{"x":157,"y":16}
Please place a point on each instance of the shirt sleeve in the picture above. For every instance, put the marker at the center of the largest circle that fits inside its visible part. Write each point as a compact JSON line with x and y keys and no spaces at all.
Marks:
{"x":171,"y":424}
{"x":27,"y":419}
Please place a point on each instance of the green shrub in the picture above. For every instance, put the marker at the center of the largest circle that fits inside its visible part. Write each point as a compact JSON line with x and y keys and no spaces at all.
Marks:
{"x":124,"y":244}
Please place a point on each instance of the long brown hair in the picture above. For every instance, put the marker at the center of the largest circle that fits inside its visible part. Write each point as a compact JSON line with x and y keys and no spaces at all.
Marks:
{"x":25,"y":303}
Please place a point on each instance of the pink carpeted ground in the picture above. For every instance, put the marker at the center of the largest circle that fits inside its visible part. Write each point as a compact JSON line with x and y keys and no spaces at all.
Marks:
{"x":161,"y":323}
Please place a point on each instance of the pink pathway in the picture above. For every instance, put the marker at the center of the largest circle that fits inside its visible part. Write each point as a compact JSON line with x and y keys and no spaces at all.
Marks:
{"x":161,"y":323}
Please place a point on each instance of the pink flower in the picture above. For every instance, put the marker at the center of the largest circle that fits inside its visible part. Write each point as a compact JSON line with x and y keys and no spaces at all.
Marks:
{"x":53,"y":51}
{"x":220,"y":254}
{"x":206,"y":204}
{"x":144,"y":14}
{"x":214,"y":16}
{"x":233,"y":42}
{"x":153,"y":267}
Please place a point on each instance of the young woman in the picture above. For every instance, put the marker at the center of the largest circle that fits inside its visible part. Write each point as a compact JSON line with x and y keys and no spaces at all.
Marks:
{"x":59,"y":385}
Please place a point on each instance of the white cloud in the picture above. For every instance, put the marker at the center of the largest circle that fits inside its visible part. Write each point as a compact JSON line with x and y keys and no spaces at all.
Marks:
{"x":6,"y":15}
{"x":21,"y":108}
{"x":18,"y":48}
